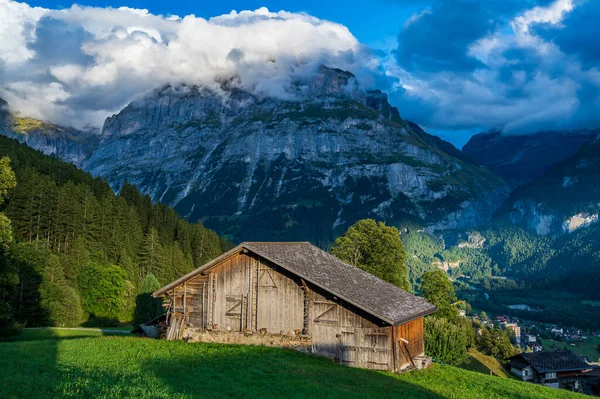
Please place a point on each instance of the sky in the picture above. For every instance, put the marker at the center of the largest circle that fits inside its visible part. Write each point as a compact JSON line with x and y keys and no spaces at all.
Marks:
{"x":455,"y":67}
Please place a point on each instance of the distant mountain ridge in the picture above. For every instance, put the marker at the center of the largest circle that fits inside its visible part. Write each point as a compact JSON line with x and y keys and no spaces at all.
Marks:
{"x":524,"y":158}
{"x":566,"y":198}
{"x":67,"y":143}
{"x":265,"y":168}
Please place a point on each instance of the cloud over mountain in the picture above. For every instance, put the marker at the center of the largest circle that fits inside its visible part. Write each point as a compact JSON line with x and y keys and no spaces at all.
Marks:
{"x":459,"y":65}
{"x":78,"y":65}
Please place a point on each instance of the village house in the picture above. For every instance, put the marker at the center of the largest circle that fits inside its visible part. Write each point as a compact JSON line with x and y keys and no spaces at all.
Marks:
{"x":560,"y":369}
{"x":296,"y":295}
{"x":556,"y":330}
{"x":514,"y":327}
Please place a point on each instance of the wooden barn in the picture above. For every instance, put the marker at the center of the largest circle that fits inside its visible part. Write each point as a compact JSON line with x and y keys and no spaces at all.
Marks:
{"x":345,"y":313}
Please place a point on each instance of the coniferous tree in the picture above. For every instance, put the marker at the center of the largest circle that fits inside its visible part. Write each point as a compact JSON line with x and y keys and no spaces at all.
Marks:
{"x":151,"y":256}
{"x":105,"y":243}
{"x":445,"y":341}
{"x":76,"y":260}
{"x":60,"y":301}
{"x":9,"y":278}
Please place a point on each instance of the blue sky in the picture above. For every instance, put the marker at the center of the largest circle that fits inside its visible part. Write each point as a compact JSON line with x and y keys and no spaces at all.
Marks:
{"x":372,"y":22}
{"x":455,"y":67}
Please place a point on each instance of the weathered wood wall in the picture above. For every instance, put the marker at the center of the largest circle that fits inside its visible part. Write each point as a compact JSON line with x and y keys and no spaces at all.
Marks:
{"x":413,"y":333}
{"x":251,"y":293}
{"x":246,"y":292}
{"x":345,"y":336}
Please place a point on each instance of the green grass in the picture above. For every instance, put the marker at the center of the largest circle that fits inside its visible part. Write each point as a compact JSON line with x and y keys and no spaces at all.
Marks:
{"x":589,"y":348}
{"x":124,"y":367}
{"x":60,"y":333}
{"x":485,"y":364}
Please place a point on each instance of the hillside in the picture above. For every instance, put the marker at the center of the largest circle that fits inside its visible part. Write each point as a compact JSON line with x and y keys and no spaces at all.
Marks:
{"x":115,"y":367}
{"x":257,"y":168}
{"x":563,"y":200}
{"x":524,"y":158}
{"x":69,"y":144}
{"x":81,"y":252}
{"x":301,"y":167}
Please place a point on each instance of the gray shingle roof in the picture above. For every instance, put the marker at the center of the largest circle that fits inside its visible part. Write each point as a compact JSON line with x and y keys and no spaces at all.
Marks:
{"x":548,"y":362}
{"x":351,"y":284}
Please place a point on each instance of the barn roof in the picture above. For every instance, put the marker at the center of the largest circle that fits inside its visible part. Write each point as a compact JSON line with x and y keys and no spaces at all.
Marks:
{"x":351,"y":284}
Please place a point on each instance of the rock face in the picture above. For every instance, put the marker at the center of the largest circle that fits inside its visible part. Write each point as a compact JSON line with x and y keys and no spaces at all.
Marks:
{"x":69,"y":144}
{"x":299,"y":169}
{"x":564,"y":200}
{"x":524,"y":158}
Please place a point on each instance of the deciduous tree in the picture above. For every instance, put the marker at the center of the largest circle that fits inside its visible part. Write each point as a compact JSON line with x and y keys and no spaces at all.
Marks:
{"x":375,"y":248}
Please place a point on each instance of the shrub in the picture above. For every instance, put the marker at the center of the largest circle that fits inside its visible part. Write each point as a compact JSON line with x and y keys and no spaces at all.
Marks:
{"x":446,"y":342}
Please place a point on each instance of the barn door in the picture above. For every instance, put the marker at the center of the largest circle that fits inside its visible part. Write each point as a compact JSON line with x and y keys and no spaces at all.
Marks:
{"x":325,"y":329}
{"x":374,"y":348}
{"x":269,"y":310}
{"x":348,"y":347}
{"x":235,"y":311}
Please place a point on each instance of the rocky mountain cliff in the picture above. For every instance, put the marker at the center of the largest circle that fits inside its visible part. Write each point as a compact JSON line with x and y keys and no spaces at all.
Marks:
{"x":566,"y":198}
{"x":524,"y":158}
{"x":303,"y":168}
{"x":69,"y":144}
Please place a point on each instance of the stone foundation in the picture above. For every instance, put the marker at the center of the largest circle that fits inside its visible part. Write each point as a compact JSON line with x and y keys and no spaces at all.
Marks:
{"x":287,"y":339}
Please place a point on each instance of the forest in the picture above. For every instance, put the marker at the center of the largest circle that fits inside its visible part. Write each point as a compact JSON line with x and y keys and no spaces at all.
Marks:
{"x":555,"y":274}
{"x":81,"y":252}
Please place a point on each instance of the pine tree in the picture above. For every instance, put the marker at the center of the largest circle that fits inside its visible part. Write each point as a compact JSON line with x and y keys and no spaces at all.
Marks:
{"x":151,"y":256}
{"x":60,"y":301}
{"x":76,"y":260}
{"x":8,"y":273}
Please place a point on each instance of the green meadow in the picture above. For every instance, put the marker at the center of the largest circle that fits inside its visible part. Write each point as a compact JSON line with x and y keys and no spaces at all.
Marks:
{"x":125,"y":367}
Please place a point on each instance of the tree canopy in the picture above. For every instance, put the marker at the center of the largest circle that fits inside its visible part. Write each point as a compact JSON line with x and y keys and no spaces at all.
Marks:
{"x":375,"y":248}
{"x":439,"y":291}
{"x":80,"y":251}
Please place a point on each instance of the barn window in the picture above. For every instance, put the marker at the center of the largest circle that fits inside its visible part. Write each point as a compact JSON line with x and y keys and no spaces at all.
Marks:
{"x":266,"y":279}
{"x":233,"y":307}
{"x":326,"y":312}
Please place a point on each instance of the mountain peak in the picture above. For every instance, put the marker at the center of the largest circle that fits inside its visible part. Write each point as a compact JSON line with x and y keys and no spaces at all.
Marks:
{"x":333,"y":82}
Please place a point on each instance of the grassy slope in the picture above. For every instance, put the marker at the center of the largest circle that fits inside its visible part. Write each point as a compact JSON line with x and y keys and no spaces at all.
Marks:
{"x":485,"y":364}
{"x":61,"y":333}
{"x":588,"y":348}
{"x":112,"y":367}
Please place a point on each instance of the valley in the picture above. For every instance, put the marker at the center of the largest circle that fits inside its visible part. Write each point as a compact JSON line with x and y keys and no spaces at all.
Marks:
{"x":300,"y":199}
{"x":256,"y":168}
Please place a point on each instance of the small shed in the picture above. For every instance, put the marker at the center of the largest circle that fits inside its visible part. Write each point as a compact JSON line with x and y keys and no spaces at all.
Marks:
{"x":347,"y":314}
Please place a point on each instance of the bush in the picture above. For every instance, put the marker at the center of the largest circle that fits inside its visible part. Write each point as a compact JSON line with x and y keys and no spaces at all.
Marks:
{"x":60,"y":301}
{"x":446,"y":342}
{"x":11,"y":329}
{"x":146,"y":306}
{"x":105,"y":291}
{"x":495,"y":343}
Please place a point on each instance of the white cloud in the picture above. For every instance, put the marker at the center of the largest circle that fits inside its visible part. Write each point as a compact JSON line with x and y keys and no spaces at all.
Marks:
{"x":119,"y":53}
{"x":524,"y":83}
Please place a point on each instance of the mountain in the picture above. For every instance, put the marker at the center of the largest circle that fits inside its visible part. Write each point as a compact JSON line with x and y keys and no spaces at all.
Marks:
{"x":306,"y":167}
{"x":524,"y":158}
{"x":566,"y":198}
{"x":69,"y":144}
